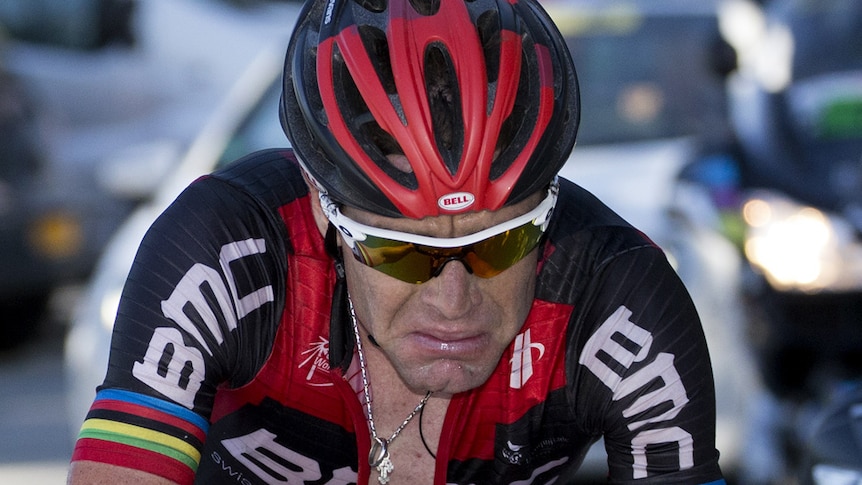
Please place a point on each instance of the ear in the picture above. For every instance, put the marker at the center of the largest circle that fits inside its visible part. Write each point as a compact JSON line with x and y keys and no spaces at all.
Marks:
{"x":316,"y":210}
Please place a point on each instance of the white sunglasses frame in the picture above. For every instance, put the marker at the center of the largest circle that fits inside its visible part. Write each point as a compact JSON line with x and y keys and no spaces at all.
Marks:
{"x":353,"y":231}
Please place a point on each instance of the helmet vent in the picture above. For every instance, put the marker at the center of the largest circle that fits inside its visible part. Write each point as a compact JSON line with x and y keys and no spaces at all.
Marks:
{"x":513,"y":134}
{"x":373,"y":139}
{"x":385,"y":151}
{"x":375,"y":6}
{"x":445,"y":105}
{"x":488,"y":26}
{"x":509,"y":137}
{"x":377,"y":47}
{"x":426,"y":7}
{"x":308,"y":74}
{"x":351,"y":100}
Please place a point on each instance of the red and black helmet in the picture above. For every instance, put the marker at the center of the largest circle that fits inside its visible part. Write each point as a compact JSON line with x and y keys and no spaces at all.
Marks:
{"x":415,"y":108}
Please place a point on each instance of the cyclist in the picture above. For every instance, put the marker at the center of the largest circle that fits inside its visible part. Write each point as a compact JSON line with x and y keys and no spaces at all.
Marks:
{"x":409,"y":295}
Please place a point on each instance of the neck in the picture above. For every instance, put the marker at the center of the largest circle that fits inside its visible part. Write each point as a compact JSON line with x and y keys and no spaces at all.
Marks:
{"x":404,"y":434}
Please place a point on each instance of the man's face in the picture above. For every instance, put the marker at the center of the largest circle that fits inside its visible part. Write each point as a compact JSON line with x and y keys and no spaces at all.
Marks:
{"x":447,"y":334}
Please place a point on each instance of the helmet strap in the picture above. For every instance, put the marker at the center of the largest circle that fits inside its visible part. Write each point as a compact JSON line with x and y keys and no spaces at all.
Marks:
{"x":341,"y":339}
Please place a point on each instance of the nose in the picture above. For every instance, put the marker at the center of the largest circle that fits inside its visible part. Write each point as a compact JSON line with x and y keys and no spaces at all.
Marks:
{"x":439,"y":265}
{"x":453,"y":292}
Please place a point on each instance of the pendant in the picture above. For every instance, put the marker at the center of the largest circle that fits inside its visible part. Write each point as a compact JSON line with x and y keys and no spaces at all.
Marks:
{"x":378,"y":457}
{"x":384,"y":469}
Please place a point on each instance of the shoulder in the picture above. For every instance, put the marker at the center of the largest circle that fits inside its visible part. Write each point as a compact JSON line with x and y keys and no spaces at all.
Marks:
{"x":248,"y":194}
{"x":579,"y":213}
{"x":584,"y":237}
{"x":273,"y":176}
{"x":238,"y":203}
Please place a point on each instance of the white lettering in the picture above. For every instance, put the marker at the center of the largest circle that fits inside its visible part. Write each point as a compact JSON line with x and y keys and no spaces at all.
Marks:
{"x":270,"y":461}
{"x":671,"y":390}
{"x":188,"y":291}
{"x":328,"y":16}
{"x":522,"y":360}
{"x":184,"y":367}
{"x":657,"y":436}
{"x":232,"y":252}
{"x":225,"y":467}
{"x":602,"y":342}
{"x":167,"y":349}
{"x":604,"y":345}
{"x":342,"y":476}
{"x":542,"y":469}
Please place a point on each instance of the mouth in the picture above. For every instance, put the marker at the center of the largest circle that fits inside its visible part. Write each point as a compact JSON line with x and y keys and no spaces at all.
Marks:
{"x":448,"y":360}
{"x":450,"y":345}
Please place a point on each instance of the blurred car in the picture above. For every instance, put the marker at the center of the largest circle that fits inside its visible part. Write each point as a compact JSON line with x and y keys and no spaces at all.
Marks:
{"x":48,"y":234}
{"x":796,"y":111}
{"x":651,"y":75}
{"x":245,"y":121}
{"x":88,"y":133}
{"x":78,"y":24}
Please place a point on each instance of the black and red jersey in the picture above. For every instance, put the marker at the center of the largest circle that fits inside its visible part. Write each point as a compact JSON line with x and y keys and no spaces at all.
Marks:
{"x":220,"y":369}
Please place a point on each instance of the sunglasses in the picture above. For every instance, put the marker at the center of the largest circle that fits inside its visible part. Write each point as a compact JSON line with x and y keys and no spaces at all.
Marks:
{"x":414,"y":258}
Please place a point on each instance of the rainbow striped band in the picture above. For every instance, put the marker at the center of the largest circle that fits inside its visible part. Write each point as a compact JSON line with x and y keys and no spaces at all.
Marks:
{"x":142,"y":432}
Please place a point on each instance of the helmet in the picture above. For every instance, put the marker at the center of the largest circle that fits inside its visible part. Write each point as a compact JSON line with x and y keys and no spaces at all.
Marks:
{"x":415,"y":108}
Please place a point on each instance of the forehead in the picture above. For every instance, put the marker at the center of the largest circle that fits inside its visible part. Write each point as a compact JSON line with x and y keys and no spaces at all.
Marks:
{"x":447,"y":226}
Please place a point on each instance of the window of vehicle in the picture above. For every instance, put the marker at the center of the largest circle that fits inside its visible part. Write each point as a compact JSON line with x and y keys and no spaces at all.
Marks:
{"x":76,"y":24}
{"x":645,"y":76}
{"x":261,"y":129}
{"x":825,"y":33}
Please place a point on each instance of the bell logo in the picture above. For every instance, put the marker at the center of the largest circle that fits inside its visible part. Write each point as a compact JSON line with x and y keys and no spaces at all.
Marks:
{"x":456,"y":201}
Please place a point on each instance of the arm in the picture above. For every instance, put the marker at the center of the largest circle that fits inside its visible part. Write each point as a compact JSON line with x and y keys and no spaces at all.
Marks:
{"x":197,"y":313}
{"x":95,"y":473}
{"x":646,"y":366}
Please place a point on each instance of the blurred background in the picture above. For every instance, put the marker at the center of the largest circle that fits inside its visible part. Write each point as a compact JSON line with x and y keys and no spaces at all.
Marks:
{"x":730,"y":131}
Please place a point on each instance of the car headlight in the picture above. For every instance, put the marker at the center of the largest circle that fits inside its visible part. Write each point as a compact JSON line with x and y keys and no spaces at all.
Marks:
{"x":56,"y":235}
{"x":832,"y":475}
{"x":801,"y":248}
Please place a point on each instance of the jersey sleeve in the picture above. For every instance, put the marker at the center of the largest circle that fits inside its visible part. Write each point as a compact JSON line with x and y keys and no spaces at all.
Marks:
{"x":198,"y":311}
{"x":642,"y":372}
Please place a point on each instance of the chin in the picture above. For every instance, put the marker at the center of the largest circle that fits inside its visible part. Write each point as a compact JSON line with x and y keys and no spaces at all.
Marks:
{"x":449,"y":377}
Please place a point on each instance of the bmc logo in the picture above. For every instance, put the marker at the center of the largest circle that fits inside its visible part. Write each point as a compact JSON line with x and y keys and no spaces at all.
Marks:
{"x":658,"y":391}
{"x":456,"y":201}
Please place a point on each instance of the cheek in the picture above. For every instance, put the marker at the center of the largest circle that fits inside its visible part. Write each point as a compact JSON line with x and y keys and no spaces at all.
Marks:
{"x":513,"y":292}
{"x":518,"y":284}
{"x":376,"y":297}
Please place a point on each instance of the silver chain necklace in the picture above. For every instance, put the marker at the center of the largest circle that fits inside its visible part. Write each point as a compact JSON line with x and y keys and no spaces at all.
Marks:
{"x":378,"y":456}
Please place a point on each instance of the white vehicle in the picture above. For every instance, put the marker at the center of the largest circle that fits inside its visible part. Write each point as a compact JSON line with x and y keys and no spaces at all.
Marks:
{"x":247,"y":120}
{"x":90,"y":123}
{"x":796,"y":108}
{"x":648,"y":91}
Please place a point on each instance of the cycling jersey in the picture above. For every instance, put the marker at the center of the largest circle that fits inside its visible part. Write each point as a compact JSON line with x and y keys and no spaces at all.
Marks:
{"x":220,"y":368}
